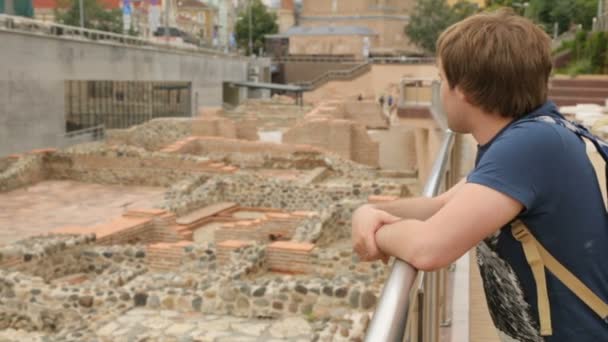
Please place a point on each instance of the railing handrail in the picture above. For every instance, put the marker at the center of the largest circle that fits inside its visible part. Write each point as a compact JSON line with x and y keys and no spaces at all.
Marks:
{"x":356,"y":59}
{"x":53,"y":30}
{"x":335,"y":74}
{"x":391,"y":315}
{"x":402,"y":60}
{"x":94,"y":129}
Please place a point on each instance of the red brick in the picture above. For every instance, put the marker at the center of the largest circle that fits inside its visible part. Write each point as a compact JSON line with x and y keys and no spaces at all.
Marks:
{"x":381,"y":198}
{"x":295,"y":246}
{"x":233,"y":244}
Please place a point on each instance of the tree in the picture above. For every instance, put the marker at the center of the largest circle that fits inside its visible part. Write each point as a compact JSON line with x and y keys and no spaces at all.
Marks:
{"x":431,"y":17}
{"x":548,"y":12}
{"x":95,"y":16}
{"x":262,"y":23}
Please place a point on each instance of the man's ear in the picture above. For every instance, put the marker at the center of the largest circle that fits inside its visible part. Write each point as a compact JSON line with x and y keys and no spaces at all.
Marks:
{"x":461,"y":95}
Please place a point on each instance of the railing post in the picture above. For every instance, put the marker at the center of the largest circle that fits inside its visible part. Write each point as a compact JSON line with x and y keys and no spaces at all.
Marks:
{"x":431,"y":307}
{"x":443,"y":298}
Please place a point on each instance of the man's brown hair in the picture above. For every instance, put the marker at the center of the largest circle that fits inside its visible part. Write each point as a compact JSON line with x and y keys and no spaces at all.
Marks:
{"x":499,"y":60}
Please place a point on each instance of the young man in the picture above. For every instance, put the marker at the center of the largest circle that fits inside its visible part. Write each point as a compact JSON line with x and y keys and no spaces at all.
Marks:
{"x":494,"y":70}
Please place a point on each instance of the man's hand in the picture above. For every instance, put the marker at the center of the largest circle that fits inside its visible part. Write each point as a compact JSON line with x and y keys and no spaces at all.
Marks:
{"x":365,"y":223}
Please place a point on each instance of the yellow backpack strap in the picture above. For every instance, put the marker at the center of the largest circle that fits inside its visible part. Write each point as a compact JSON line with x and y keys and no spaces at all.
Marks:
{"x":521,"y":233}
{"x":533,"y":256}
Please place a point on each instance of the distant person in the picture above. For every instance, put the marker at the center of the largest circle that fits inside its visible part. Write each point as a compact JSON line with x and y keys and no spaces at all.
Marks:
{"x":532,"y":205}
{"x":360,"y":97}
{"x":389,"y":101}
{"x":381,"y":101}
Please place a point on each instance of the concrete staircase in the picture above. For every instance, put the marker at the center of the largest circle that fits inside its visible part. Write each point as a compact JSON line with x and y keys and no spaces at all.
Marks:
{"x":333,"y":75}
{"x":572,"y":91}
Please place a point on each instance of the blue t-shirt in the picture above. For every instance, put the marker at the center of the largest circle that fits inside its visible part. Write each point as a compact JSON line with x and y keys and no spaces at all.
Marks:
{"x":544,"y":166}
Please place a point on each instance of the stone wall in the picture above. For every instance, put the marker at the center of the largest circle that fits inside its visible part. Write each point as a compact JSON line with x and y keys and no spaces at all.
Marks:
{"x":346,"y":138}
{"x":255,"y":191}
{"x":129,"y":165}
{"x":7,"y":161}
{"x":220,"y":148}
{"x":23,"y":170}
{"x":151,"y":135}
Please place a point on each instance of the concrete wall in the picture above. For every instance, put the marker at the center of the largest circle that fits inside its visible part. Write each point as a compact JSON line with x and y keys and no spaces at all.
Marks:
{"x":33,"y":69}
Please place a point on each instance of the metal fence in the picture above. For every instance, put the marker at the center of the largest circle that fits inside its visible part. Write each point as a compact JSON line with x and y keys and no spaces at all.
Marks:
{"x":412,"y":308}
{"x":121,"y":104}
{"x":26,"y":25}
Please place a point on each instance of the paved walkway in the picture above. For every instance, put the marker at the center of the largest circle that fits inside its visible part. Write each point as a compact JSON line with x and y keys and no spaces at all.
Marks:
{"x":153,"y":325}
{"x":47,"y":205}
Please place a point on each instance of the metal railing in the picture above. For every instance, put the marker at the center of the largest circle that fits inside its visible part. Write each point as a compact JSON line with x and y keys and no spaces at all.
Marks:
{"x":27,"y":25}
{"x":354,"y":59}
{"x":402,"y":60}
{"x":334,"y":75}
{"x":121,"y":104}
{"x":96,"y":132}
{"x":81,"y":136}
{"x":394,"y":306}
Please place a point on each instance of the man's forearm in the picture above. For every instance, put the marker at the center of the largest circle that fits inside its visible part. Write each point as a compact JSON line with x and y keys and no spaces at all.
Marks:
{"x":419,"y":208}
{"x":416,"y":208}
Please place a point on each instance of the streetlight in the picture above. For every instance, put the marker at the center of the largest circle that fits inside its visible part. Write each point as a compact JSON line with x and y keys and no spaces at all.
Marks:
{"x":9,"y":7}
{"x":250,"y":31}
{"x":81,"y":5}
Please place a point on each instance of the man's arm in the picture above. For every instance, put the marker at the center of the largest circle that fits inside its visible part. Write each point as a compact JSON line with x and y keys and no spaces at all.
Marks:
{"x":418,"y":208}
{"x":368,"y":218}
{"x":473,"y":213}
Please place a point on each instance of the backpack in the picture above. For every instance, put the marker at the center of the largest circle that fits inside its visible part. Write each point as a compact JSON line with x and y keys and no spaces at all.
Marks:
{"x":539,"y":258}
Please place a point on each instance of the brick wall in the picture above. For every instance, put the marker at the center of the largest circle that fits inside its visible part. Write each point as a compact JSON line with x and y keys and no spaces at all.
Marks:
{"x":367,"y":113}
{"x":142,"y":226}
{"x":214,"y":127}
{"x":247,"y":128}
{"x":346,"y":138}
{"x":364,"y":149}
{"x":166,"y":256}
{"x":290,"y":257}
{"x":250,"y":230}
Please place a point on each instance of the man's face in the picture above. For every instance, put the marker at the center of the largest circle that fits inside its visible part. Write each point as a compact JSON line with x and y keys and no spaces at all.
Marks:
{"x":453,"y":103}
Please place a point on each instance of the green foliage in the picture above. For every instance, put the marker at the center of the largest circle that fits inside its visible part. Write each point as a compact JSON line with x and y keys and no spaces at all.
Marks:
{"x":565,"y":45}
{"x":262,"y":22}
{"x":581,"y":66}
{"x":590,"y":52}
{"x":548,"y":12}
{"x":595,"y":51}
{"x":95,"y":16}
{"x":431,"y":17}
{"x":579,"y":44}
